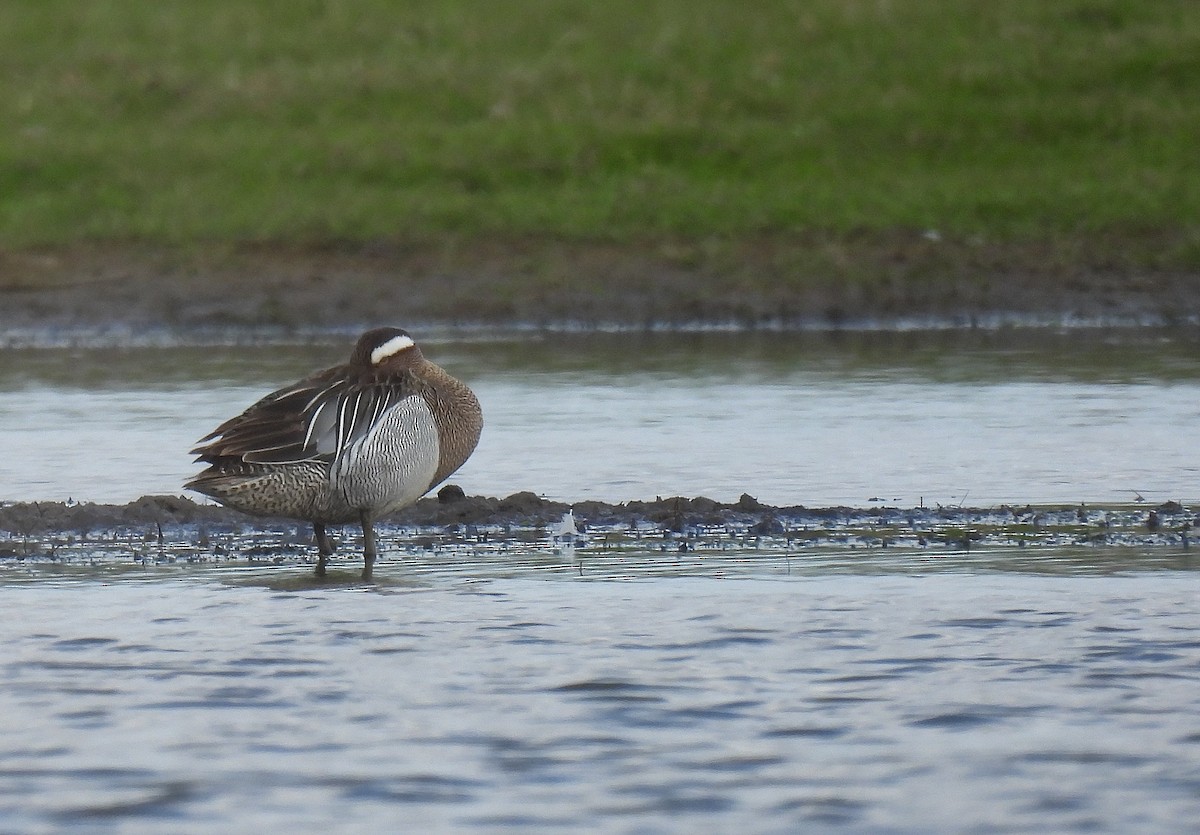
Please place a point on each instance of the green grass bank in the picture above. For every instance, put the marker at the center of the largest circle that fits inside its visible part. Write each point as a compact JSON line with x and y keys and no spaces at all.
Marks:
{"x":859,"y":155}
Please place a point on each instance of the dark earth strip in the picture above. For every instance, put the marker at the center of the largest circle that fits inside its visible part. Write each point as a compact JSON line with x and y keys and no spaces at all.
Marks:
{"x":797,"y":282}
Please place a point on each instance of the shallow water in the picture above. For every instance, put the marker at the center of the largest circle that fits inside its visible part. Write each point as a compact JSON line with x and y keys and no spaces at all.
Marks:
{"x":522,"y":686}
{"x":977,"y":418}
{"x":168,"y":700}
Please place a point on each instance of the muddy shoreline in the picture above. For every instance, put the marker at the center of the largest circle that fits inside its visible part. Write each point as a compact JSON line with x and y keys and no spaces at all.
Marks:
{"x":792,"y":282}
{"x":168,"y":525}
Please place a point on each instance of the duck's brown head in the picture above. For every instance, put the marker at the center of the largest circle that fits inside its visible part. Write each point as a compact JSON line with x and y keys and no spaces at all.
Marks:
{"x":384,"y":350}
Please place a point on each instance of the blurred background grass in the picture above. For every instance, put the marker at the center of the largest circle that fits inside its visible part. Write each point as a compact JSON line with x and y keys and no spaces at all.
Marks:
{"x":1071,"y":124}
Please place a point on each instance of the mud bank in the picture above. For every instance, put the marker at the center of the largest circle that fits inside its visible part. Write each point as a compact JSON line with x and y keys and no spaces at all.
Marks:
{"x":791,"y":282}
{"x":171,"y":528}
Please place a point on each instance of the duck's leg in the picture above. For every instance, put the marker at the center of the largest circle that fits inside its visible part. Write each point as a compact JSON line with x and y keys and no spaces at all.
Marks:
{"x":324,"y":549}
{"x":368,"y":528}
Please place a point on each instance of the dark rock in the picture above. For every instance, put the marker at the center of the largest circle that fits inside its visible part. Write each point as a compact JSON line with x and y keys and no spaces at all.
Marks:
{"x":748,"y":502}
{"x":450,"y":494}
{"x":769,"y":526}
{"x":522,"y":502}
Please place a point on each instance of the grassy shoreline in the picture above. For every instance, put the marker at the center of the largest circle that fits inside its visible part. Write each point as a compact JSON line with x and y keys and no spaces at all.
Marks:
{"x":630,"y":162}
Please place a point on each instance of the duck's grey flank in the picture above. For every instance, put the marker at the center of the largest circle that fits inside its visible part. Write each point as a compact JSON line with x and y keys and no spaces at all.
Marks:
{"x":347,"y":444}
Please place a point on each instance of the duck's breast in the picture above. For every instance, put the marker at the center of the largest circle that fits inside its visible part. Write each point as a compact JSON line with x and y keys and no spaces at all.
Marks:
{"x":392,"y":463}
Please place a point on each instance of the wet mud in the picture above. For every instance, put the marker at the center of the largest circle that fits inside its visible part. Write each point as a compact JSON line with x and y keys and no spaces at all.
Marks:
{"x":172,"y":528}
{"x":122,"y":293}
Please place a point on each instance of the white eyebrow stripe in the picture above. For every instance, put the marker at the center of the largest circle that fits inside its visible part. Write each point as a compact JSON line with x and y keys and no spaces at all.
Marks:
{"x":390,"y":348}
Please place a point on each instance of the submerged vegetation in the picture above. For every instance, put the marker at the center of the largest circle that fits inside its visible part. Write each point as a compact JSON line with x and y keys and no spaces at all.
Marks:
{"x":868,"y":142}
{"x":672,"y":535}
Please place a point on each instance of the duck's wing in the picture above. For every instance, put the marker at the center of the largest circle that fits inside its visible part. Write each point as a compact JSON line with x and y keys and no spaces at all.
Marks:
{"x":312,"y":420}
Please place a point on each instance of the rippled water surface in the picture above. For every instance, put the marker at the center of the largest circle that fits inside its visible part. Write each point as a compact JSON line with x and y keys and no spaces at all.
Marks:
{"x":228,"y":700}
{"x":791,"y":419}
{"x":527,"y":687}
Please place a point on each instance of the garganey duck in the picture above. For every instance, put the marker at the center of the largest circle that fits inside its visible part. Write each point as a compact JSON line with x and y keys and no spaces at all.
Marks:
{"x":351,"y":443}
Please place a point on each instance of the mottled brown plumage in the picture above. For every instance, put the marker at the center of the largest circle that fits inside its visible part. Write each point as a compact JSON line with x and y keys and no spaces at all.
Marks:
{"x":347,"y":444}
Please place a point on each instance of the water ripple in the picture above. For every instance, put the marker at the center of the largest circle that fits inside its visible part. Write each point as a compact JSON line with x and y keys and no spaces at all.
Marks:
{"x":869,"y":703}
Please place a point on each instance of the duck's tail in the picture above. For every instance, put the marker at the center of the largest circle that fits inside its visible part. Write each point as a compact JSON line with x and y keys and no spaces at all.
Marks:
{"x":263,"y":490}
